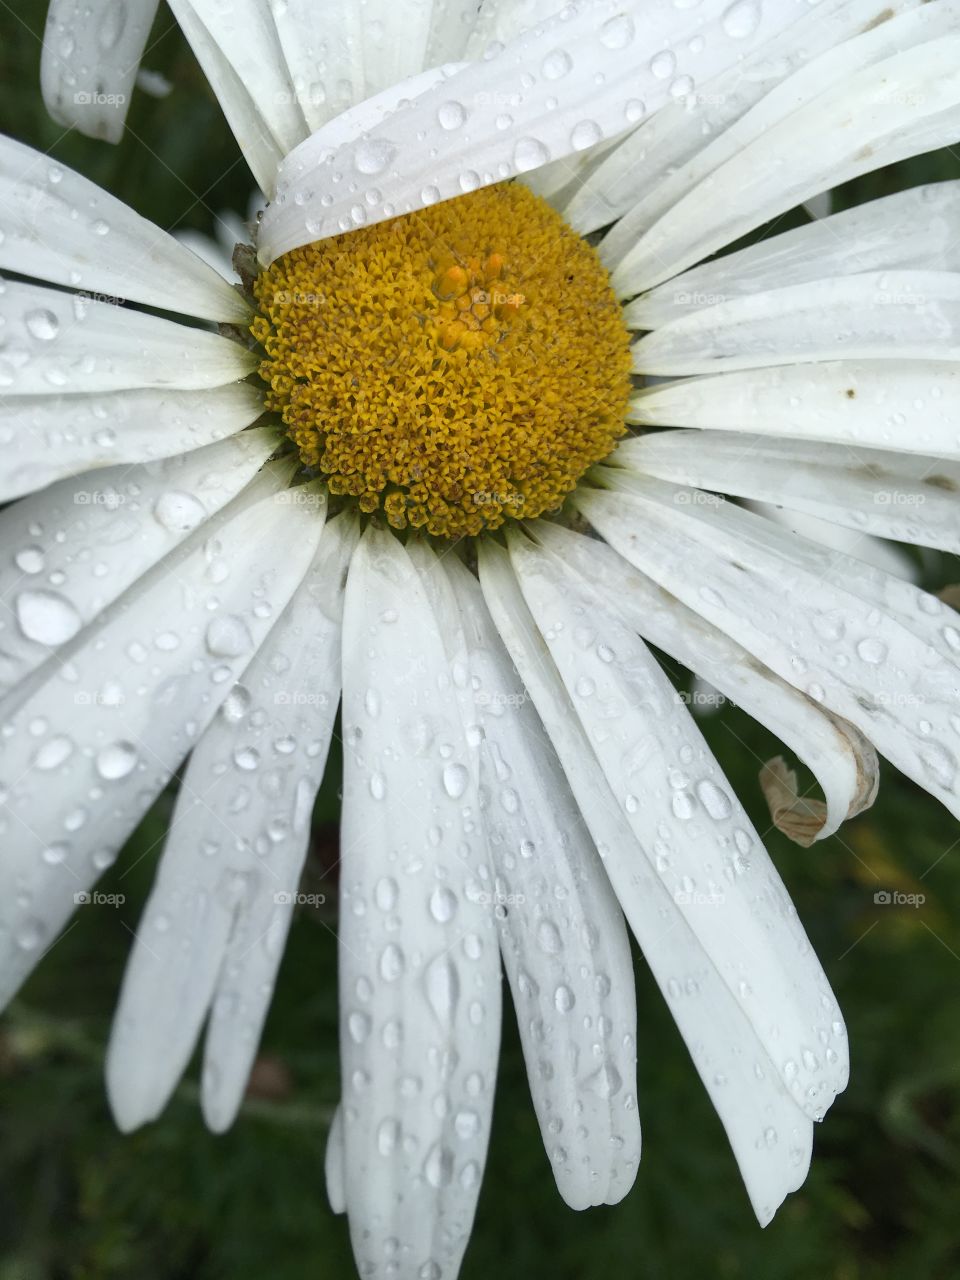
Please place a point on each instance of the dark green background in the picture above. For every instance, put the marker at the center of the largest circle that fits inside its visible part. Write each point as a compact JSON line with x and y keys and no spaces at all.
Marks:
{"x":78,"y":1200}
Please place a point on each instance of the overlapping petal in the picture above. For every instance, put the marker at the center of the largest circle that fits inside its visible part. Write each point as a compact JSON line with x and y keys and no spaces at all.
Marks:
{"x":141,"y":685}
{"x":904,"y":496}
{"x":418,"y":956}
{"x":599,"y":69}
{"x":870,"y":647}
{"x":56,"y":342}
{"x":91,"y":55}
{"x":562,"y":935}
{"x":62,"y":228}
{"x":230,"y":872}
{"x":769,"y":1134}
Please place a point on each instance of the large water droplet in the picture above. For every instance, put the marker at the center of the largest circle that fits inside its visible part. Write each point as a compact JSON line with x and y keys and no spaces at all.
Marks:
{"x":42,"y":324}
{"x":116,"y":760}
{"x":178,"y":512}
{"x":228,"y":637}
{"x":455,"y":779}
{"x":372,"y":155}
{"x":529,"y":153}
{"x":46,"y":617}
{"x":741,"y":19}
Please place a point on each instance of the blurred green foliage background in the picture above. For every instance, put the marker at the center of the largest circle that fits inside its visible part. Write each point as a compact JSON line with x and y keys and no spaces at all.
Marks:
{"x":78,"y":1201}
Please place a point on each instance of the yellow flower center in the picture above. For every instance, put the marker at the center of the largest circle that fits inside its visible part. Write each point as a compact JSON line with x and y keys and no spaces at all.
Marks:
{"x":454,"y":367}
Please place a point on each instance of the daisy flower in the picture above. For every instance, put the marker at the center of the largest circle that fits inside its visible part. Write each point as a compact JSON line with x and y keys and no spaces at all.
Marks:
{"x":414,"y":473}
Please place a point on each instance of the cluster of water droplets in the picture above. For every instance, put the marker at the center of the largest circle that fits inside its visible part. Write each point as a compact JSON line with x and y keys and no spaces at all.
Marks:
{"x":507,"y":114}
{"x":92,"y":735}
{"x":419,"y":965}
{"x":691,"y":828}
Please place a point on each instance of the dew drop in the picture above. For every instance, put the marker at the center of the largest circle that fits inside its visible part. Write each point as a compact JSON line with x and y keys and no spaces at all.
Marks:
{"x":455,"y":779}
{"x":741,"y":19}
{"x":872,"y":651}
{"x":372,"y":155}
{"x":228,"y":637}
{"x":53,"y":753}
{"x":443,"y":904}
{"x":529,"y":153}
{"x":42,"y":324}
{"x":451,"y":115}
{"x":178,"y":512}
{"x":116,"y":760}
{"x":46,"y":617}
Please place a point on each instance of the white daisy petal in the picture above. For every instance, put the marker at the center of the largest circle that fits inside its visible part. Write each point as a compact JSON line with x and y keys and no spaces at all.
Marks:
{"x":903,"y":314}
{"x":892,"y":495}
{"x":333,"y":1164}
{"x":60,"y":227}
{"x":57,"y":342}
{"x":406,"y":36}
{"x":323,"y":47}
{"x":246,"y":40}
{"x":151,"y":672}
{"x":843,"y":762}
{"x":419,"y":964}
{"x":868,"y":646}
{"x":914,"y":228}
{"x":601,"y":69}
{"x":313,"y":685}
{"x":344,"y":128}
{"x":684,"y":817}
{"x":562,"y":936}
{"x":48,"y":437}
{"x":650,"y":169}
{"x":892,"y":109}
{"x":209,"y":250}
{"x":879,"y":552}
{"x":451,"y":30}
{"x":96,"y":534}
{"x":902,"y":405}
{"x":771,"y":1138}
{"x":500,"y":21}
{"x":261,"y":149}
{"x":230,"y":870}
{"x":91,"y":54}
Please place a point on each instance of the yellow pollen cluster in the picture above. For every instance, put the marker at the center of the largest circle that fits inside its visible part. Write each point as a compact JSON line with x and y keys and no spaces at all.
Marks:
{"x":453,"y":367}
